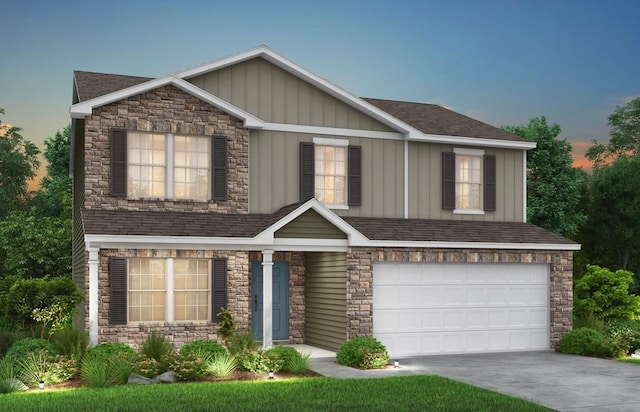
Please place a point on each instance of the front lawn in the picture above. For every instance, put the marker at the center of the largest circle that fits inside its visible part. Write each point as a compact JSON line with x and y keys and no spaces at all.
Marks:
{"x":409,"y":393}
{"x":630,"y":360}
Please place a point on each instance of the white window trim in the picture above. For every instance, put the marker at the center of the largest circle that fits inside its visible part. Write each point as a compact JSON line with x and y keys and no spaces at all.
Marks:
{"x":325,"y":141}
{"x":469,"y":152}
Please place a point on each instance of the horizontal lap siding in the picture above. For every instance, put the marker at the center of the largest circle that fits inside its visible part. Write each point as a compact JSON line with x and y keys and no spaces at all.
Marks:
{"x":326,"y":299}
{"x":310,"y":225}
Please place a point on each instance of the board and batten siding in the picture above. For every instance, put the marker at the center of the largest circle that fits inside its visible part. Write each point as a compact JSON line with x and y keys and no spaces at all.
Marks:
{"x":425,"y":184}
{"x":274,"y":95}
{"x":310,"y":225}
{"x":274,"y":174}
{"x":326,"y":299}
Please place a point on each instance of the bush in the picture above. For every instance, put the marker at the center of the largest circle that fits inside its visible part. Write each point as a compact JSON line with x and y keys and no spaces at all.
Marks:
{"x":226,"y":325}
{"x":292,"y":360}
{"x":244,"y":342}
{"x":626,"y":330}
{"x":97,"y":373}
{"x":43,"y":366}
{"x":157,"y":346}
{"x":363,"y":352}
{"x":7,"y":338}
{"x":188,"y":367}
{"x":148,"y":367}
{"x":605,"y":294}
{"x":71,"y":342}
{"x":112,"y":350}
{"x":581,"y":341}
{"x":20,"y":349}
{"x":222,"y":365}
{"x":204,"y":349}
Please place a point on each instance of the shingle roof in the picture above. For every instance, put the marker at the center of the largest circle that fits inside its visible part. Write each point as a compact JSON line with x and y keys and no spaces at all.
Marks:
{"x":90,"y":85}
{"x":160,"y":223}
{"x":453,"y":231}
{"x":434,"y":119}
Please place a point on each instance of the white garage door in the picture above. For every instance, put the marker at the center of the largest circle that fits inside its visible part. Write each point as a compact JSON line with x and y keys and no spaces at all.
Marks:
{"x":422,"y":309}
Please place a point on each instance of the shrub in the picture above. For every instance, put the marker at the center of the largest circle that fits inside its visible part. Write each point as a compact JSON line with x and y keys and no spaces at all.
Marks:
{"x":157,"y":346}
{"x":252,"y":362}
{"x":21,"y":348}
{"x":581,"y":341}
{"x":363,"y":352}
{"x":71,"y":342}
{"x":112,"y":350}
{"x":605,"y":294}
{"x":43,"y":366}
{"x":97,"y":373}
{"x":7,"y":338}
{"x":226,"y":325}
{"x":590,"y":321}
{"x":241,"y":343}
{"x":300,"y":364}
{"x":148,"y":367}
{"x":626,"y":330}
{"x":188,"y":367}
{"x":222,"y":365}
{"x":9,"y":377}
{"x":204,"y":349}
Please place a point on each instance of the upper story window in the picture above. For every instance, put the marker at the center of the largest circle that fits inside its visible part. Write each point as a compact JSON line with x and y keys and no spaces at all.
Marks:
{"x":331,"y":174}
{"x":331,"y":171}
{"x":168,"y":166}
{"x":468,"y":181}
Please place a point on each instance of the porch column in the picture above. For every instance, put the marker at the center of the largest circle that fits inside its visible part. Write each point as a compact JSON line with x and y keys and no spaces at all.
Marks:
{"x":93,"y":295}
{"x":267,"y":298}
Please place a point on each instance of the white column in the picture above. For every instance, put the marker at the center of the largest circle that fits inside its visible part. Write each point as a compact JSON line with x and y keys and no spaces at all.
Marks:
{"x":267,"y":298}
{"x":93,"y":295}
{"x":406,"y":178}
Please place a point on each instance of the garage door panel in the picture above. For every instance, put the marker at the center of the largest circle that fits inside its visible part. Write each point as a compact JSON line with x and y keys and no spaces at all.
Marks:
{"x":460,"y":308}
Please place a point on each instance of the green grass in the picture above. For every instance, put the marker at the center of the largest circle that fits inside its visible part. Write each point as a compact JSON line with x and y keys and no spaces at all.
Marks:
{"x":630,"y":360}
{"x":409,"y":393}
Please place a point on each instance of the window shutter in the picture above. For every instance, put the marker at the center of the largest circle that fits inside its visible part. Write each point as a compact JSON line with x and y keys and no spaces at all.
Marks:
{"x":219,"y":292}
{"x":489,"y":183}
{"x":118,"y":162}
{"x":355,"y":175}
{"x":448,"y":180}
{"x":118,"y":286}
{"x":219,"y":168}
{"x":307,"y":171}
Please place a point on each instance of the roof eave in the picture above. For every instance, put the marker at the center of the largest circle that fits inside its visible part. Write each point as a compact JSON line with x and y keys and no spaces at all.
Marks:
{"x":473,"y":141}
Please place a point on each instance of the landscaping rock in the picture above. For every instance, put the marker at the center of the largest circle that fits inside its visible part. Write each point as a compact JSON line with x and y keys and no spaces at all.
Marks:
{"x":135,"y":379}
{"x":167,"y":377}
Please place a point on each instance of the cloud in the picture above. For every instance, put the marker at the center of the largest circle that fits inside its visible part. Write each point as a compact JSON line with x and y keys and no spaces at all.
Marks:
{"x":578,"y":154}
{"x":622,"y":100}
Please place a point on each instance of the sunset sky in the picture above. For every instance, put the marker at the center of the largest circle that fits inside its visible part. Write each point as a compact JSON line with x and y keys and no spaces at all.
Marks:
{"x":502,"y":62}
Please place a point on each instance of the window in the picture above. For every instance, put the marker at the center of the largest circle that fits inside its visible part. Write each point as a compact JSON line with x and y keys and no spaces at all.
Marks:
{"x":331,"y":171}
{"x":155,"y":283}
{"x":468,"y":181}
{"x":331,"y":174}
{"x":168,"y":166}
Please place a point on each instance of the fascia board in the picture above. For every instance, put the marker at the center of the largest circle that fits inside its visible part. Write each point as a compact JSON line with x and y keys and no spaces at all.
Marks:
{"x":473,"y":141}
{"x":81,"y":110}
{"x":470,"y":245}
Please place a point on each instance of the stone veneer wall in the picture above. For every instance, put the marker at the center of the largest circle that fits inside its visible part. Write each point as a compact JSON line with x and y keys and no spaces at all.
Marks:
{"x":296,"y":291}
{"x":360,"y":280}
{"x":238,"y":293}
{"x":164,"y":110}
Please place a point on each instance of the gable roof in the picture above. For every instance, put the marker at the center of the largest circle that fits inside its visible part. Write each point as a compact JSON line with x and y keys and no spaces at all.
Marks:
{"x":421,"y":122}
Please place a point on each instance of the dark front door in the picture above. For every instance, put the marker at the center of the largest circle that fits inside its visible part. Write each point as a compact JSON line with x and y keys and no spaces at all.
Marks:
{"x":280,"y":300}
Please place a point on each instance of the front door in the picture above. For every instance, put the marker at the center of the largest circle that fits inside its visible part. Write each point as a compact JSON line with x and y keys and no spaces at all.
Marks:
{"x":280,"y":300}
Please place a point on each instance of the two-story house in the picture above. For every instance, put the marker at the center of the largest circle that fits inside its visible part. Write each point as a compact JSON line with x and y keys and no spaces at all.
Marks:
{"x":253,"y":184}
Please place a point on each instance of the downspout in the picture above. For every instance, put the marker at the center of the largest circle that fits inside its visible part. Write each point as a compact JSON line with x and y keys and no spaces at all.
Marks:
{"x":93,"y":295}
{"x":524,"y":186}
{"x":406,"y":178}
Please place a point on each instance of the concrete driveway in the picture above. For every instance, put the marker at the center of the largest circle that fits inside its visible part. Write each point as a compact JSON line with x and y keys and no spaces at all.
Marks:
{"x":558,"y":381}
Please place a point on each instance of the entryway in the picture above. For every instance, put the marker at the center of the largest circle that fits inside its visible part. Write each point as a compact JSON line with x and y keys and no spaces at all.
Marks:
{"x":280,"y":310}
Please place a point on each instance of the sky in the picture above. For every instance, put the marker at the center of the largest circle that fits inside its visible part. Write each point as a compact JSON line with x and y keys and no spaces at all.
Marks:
{"x":502,"y":62}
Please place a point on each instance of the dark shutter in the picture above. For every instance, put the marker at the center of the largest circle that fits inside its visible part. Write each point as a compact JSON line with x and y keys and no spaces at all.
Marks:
{"x":448,"y":180}
{"x":307,"y":171}
{"x":219,"y":168}
{"x":118,"y":286}
{"x":118,"y":162}
{"x":355,"y":175}
{"x":219,"y":292}
{"x":489,"y":183}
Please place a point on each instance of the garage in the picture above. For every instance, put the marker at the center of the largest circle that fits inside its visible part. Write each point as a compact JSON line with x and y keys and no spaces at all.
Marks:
{"x":449,"y":308}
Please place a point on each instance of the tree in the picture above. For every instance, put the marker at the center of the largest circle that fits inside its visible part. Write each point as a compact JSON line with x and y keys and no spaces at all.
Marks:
{"x":554,"y":186}
{"x":624,"y":133}
{"x":54,"y":198}
{"x":18,"y":164}
{"x":614,"y":214}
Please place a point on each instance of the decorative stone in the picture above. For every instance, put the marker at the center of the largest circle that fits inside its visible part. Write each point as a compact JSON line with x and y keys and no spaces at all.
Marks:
{"x":135,"y":379}
{"x":167,"y":377}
